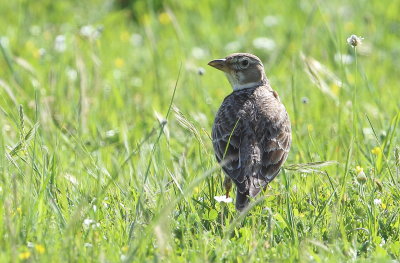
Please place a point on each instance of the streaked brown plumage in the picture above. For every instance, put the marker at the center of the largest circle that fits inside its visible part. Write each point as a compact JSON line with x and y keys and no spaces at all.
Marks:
{"x":251,"y":132}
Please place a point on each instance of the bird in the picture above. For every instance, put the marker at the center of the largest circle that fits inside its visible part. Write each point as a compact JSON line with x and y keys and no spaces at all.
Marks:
{"x":251,"y":133}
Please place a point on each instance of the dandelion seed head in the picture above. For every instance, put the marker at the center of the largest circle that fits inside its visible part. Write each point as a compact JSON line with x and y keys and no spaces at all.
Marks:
{"x":305,"y":100}
{"x":201,"y":71}
{"x":354,"y":40}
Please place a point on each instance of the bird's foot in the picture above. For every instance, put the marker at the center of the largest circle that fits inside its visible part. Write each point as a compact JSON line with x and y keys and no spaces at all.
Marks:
{"x":227,"y":194}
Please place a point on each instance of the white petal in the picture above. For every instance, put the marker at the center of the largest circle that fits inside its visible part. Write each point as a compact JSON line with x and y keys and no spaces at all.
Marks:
{"x":223,"y":198}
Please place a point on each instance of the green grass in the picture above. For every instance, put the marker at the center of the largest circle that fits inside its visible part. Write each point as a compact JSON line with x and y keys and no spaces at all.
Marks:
{"x":105,"y":151}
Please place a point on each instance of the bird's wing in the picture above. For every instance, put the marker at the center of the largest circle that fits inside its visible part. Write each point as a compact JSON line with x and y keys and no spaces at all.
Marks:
{"x":226,"y":135}
{"x":274,"y":137}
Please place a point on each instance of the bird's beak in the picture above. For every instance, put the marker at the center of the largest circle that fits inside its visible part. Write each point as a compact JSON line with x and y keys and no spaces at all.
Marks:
{"x":219,"y":64}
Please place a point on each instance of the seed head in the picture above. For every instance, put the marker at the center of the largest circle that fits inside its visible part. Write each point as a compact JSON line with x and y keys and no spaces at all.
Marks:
{"x":354,"y":40}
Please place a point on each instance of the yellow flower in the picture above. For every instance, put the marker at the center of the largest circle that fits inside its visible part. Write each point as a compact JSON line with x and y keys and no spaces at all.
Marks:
{"x":383,"y":206}
{"x":359,"y":169}
{"x":124,"y":36}
{"x":164,"y":18}
{"x":19,"y":210}
{"x":335,"y":89}
{"x":146,"y":19}
{"x":240,"y":29}
{"x":377,"y":150}
{"x":349,"y":26}
{"x":24,"y":255}
{"x":119,"y":62}
{"x":124,"y":249}
{"x":30,"y":46}
{"x":40,"y":249}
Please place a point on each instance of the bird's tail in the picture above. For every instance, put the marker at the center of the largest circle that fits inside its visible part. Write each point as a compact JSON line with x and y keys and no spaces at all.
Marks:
{"x":242,"y":200}
{"x":255,"y":187}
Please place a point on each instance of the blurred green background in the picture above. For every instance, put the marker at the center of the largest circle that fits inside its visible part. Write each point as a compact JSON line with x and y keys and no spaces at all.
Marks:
{"x":106,"y":110}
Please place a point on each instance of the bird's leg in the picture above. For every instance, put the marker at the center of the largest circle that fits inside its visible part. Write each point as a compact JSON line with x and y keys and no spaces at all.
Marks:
{"x":227,"y":185}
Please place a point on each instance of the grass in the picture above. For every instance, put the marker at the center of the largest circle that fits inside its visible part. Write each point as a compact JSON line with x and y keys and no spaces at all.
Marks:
{"x":105,"y":151}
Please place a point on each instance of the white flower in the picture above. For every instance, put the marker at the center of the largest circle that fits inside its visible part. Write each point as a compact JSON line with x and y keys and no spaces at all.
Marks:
{"x":87,"y":31}
{"x":377,"y":201}
{"x":72,"y":74}
{"x":136,"y":39}
{"x":87,"y":223}
{"x":59,"y":44}
{"x":354,"y":40}
{"x":198,"y":53}
{"x":35,"y":30}
{"x":136,"y":82}
{"x":270,"y":21}
{"x":264,"y":43}
{"x":383,"y":242}
{"x":111,"y":133}
{"x":90,"y":31}
{"x":223,"y":199}
{"x":30,"y":244}
{"x":233,"y":46}
{"x":42,"y":52}
{"x":87,"y":245}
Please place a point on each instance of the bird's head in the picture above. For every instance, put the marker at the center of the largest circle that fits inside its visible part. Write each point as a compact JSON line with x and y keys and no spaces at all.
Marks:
{"x":243,"y":70}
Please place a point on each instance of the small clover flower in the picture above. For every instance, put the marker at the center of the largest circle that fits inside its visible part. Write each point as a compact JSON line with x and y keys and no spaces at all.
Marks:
{"x":354,"y":40}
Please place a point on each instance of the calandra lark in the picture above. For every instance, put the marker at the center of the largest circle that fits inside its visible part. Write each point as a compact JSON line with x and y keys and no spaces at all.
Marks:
{"x":251,"y":132}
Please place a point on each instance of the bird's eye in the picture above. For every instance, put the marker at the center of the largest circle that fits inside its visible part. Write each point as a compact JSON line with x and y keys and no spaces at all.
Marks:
{"x":244,"y":63}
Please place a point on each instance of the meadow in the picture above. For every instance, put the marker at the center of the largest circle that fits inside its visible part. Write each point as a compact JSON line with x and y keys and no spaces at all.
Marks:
{"x":106,"y":110}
